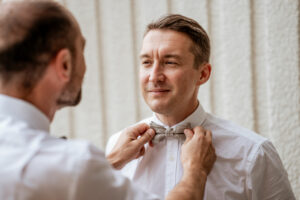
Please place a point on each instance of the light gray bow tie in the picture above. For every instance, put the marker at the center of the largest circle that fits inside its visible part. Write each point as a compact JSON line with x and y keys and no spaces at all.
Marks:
{"x":162,"y":132}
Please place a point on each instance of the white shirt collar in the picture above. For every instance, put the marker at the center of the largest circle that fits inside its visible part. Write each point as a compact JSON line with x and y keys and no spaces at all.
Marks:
{"x":197,"y":116}
{"x":24,"y":111}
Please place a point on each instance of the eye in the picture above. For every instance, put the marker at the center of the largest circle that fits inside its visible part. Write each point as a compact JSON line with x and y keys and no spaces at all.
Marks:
{"x":171,"y":63}
{"x":146,"y":62}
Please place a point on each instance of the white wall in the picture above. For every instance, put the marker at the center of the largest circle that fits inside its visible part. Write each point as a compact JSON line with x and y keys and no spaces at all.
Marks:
{"x":255,"y":58}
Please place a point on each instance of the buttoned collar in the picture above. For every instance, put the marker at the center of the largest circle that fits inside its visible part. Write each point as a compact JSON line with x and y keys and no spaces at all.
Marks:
{"x":195,"y":119}
{"x":23,"y":111}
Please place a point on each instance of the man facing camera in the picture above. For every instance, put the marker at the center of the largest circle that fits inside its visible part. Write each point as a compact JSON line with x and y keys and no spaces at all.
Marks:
{"x":174,"y":64}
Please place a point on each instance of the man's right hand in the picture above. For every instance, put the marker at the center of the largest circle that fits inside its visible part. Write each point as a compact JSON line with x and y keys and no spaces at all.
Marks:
{"x":197,"y":157}
{"x":197,"y":152}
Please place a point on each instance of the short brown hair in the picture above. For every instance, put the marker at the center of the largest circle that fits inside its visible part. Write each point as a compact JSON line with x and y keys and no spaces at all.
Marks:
{"x":30,"y":35}
{"x":188,"y":26}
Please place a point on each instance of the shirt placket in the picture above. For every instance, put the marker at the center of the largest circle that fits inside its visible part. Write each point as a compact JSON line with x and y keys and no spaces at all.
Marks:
{"x":171,"y":164}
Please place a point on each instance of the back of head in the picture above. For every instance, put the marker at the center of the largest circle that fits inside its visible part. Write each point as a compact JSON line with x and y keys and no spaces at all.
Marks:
{"x":188,"y":26}
{"x":31,"y":33}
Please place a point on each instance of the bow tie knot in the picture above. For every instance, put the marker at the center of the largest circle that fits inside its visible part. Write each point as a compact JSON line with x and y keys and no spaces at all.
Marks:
{"x":170,"y":132}
{"x":162,"y":132}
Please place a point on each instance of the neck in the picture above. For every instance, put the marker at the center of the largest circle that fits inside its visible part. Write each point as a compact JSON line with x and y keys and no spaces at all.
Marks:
{"x":171,"y":119}
{"x":45,"y":103}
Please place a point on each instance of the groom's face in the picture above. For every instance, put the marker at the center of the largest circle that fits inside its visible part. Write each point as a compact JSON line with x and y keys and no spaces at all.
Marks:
{"x":168,"y":78}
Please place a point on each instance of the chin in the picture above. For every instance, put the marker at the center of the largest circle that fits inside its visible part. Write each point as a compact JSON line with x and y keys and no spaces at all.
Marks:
{"x":159,"y":107}
{"x":69,"y":101}
{"x":77,"y":100}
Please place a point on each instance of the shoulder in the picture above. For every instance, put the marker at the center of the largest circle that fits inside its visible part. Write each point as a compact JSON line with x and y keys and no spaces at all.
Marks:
{"x":251,"y":154}
{"x":78,"y":165}
{"x":94,"y":178}
{"x":232,"y":130}
{"x":70,"y":157}
{"x":266,"y":175}
{"x":229,"y":137}
{"x":75,"y":154}
{"x":114,"y":138}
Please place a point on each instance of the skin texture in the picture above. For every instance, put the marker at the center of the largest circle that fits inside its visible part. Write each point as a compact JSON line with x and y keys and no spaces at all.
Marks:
{"x":168,"y":79}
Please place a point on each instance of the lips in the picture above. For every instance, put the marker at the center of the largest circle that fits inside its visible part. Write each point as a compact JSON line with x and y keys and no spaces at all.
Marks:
{"x":158,"y":90}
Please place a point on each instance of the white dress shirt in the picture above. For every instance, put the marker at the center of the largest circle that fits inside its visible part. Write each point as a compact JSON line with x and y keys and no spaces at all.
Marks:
{"x":36,"y":166}
{"x":247,"y":165}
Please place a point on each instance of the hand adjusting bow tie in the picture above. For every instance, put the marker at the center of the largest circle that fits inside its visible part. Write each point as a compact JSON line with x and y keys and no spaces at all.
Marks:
{"x":162,"y":132}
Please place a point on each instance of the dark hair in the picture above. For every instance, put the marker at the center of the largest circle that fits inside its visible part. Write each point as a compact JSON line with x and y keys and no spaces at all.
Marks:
{"x":182,"y":24}
{"x":33,"y":38}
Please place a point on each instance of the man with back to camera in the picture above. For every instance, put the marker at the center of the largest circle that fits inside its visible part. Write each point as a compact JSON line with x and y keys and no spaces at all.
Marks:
{"x":174,"y":64}
{"x":41,"y":70}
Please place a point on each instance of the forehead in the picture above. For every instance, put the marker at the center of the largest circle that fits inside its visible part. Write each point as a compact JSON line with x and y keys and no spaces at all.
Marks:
{"x":166,"y":41}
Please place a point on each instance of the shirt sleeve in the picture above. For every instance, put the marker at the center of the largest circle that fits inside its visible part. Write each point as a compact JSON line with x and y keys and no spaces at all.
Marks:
{"x":267,"y":178}
{"x":111,"y":142}
{"x":96,"y":179}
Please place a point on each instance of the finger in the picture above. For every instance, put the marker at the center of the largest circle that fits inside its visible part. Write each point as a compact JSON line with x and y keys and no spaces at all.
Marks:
{"x":199,"y":131}
{"x":142,"y":151}
{"x":188,"y":134}
{"x":209,"y":136}
{"x":151,"y":143}
{"x":199,"y":128}
{"x":138,"y":129}
{"x":146,"y":137}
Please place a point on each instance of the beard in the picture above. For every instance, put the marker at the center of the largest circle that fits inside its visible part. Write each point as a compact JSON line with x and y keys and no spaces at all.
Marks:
{"x":69,"y":96}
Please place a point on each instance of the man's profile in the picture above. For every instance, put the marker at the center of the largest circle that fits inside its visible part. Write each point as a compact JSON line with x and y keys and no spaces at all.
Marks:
{"x":174,"y":64}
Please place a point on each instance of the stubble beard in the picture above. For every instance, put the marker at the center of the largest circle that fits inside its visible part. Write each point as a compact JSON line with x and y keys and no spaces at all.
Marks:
{"x":69,"y":97}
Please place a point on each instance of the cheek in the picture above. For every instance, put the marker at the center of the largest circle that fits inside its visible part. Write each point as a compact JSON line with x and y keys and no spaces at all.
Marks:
{"x":81,"y":68}
{"x":177,"y":79}
{"x":143,"y":78}
{"x":183,"y":82}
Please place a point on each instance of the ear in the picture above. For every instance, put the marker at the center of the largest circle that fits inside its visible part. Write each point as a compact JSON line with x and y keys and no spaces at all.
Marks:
{"x":204,"y":73}
{"x":63,"y":64}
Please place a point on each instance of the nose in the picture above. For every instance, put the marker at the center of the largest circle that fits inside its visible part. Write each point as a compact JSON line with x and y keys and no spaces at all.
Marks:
{"x":156,"y":73}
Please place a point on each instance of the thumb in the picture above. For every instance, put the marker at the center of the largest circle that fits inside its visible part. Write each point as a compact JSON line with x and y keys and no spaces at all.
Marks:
{"x":188,"y":134}
{"x":138,"y":129}
{"x":146,"y":137}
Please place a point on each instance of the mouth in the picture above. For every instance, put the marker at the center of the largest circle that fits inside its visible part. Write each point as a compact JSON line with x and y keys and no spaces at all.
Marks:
{"x":158,"y":91}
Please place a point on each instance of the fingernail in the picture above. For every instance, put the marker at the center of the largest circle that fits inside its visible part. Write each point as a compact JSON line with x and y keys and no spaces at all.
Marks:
{"x":151,"y":132}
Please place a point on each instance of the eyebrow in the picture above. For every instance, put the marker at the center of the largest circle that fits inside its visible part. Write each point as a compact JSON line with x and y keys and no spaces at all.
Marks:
{"x":166,"y":56}
{"x":144,"y":56}
{"x":172,"y":56}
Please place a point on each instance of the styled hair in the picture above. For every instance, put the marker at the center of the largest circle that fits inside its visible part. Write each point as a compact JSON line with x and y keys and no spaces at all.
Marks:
{"x":31,"y":34}
{"x":191,"y":28}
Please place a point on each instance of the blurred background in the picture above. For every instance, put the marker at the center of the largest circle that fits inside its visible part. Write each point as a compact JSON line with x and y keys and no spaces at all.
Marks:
{"x":255,"y":60}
